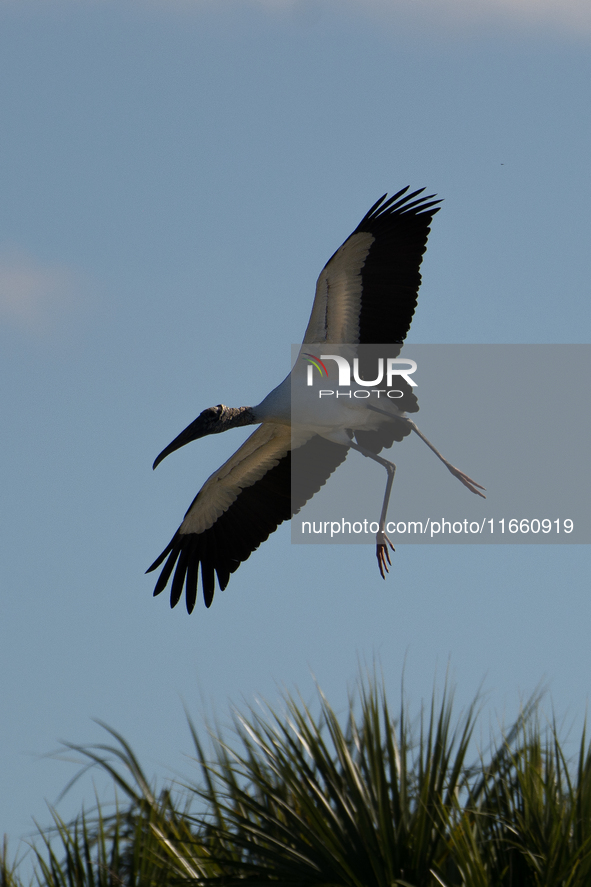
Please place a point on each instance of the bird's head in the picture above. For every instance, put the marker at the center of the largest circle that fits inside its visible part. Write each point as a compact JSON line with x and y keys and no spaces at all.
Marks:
{"x":210,"y":421}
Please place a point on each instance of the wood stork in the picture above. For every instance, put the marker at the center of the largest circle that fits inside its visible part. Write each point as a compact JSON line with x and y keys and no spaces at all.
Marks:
{"x":366,"y":293}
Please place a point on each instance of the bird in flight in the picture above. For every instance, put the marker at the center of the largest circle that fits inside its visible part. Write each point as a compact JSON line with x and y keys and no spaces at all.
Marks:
{"x":366,"y":294}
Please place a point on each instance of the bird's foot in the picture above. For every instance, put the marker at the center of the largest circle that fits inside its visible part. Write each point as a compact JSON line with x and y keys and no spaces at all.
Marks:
{"x":382,"y":553}
{"x":467,"y":481}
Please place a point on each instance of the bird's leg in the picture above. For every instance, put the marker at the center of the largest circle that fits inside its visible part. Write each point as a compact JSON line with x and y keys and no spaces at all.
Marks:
{"x":463,"y":478}
{"x":382,"y":541}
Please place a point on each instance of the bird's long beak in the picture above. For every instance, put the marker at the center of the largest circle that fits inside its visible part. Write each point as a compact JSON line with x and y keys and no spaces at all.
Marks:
{"x":199,"y":428}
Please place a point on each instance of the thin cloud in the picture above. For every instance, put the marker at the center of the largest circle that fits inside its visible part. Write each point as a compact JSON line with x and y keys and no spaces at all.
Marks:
{"x":568,"y":16}
{"x":34,"y":295}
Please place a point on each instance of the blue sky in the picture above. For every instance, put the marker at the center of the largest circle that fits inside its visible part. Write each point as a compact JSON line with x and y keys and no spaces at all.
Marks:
{"x":174,"y":176}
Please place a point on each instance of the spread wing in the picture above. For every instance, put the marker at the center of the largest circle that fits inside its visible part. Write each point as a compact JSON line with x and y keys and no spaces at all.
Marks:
{"x":367,"y":292}
{"x":239,"y":506}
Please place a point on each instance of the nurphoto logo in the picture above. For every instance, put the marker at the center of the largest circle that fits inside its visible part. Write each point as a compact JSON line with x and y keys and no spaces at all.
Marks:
{"x":394,"y":367}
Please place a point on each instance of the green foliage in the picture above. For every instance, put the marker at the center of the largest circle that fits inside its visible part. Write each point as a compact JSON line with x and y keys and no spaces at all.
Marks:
{"x":311,"y":802}
{"x":367,"y":800}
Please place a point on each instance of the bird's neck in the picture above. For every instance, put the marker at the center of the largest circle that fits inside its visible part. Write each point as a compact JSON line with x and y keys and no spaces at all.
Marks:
{"x":276,"y":407}
{"x":234,"y":417}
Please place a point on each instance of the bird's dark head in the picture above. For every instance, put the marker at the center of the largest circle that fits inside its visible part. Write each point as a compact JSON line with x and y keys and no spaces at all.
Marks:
{"x":210,"y":421}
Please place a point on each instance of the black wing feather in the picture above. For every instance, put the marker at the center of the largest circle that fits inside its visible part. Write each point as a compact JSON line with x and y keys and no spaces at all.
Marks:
{"x":396,"y":429}
{"x":390,"y":275}
{"x":253,"y":516}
